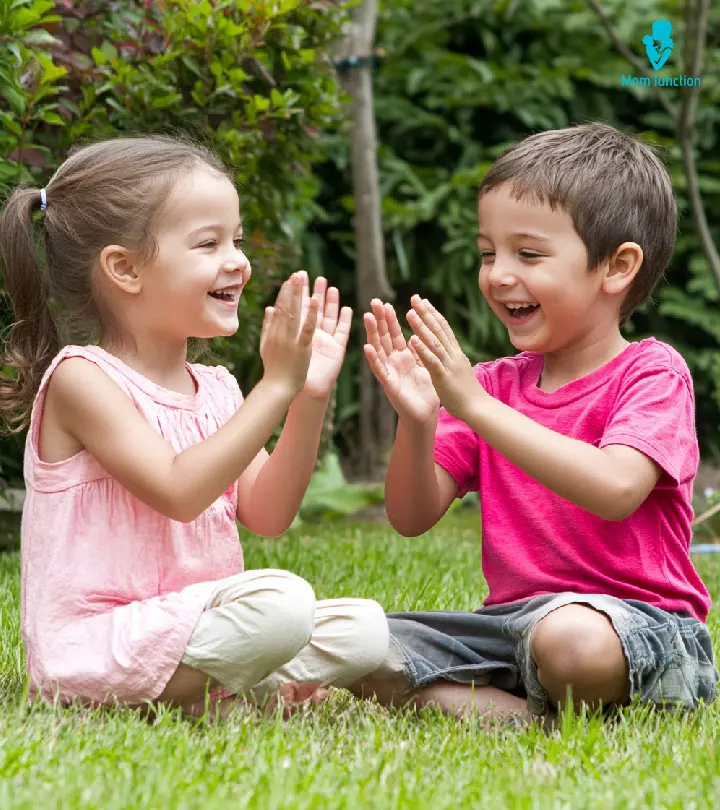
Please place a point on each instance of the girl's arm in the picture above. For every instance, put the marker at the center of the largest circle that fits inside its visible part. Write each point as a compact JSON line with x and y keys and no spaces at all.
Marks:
{"x":182,"y":485}
{"x":179,"y":485}
{"x":271,"y":490}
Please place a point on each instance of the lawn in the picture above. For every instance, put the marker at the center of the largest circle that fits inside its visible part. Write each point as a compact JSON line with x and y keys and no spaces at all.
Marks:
{"x":347,"y":754}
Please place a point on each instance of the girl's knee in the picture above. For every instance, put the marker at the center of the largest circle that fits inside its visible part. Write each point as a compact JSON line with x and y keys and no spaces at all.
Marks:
{"x":360,"y":635}
{"x":288,"y":611}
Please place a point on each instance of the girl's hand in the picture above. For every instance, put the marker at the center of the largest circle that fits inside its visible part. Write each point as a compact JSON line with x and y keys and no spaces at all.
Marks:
{"x":329,"y":339}
{"x":286,"y":338}
{"x":397,"y":366}
{"x":453,"y":377}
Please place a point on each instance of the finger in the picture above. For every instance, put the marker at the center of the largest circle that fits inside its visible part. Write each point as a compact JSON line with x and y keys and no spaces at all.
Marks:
{"x":396,"y":336}
{"x":295,"y":309}
{"x":413,"y":352}
{"x":372,"y":333}
{"x":427,"y":337}
{"x":309,"y":324}
{"x":284,"y":295}
{"x":442,"y":321}
{"x":342,"y":330}
{"x":377,"y":366}
{"x":383,"y":332}
{"x":427,"y":357}
{"x":332,"y":305}
{"x":424,"y":310}
{"x":320,"y":294}
{"x":267,"y":321}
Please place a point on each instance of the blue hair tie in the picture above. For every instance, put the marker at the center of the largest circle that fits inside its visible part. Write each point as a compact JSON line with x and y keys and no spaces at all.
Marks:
{"x":43,"y":199}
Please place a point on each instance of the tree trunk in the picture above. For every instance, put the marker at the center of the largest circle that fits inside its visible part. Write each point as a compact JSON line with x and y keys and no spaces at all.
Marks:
{"x":376,"y":415}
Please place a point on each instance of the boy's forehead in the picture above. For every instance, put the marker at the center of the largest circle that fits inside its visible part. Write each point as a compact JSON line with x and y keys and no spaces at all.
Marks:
{"x":501,"y":213}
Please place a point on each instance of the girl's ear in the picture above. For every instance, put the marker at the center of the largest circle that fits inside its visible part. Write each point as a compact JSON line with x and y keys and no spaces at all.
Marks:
{"x":622,"y":268}
{"x":119,"y":265}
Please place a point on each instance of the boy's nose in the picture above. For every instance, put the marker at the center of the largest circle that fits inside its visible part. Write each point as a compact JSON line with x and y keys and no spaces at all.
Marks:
{"x":500,"y":275}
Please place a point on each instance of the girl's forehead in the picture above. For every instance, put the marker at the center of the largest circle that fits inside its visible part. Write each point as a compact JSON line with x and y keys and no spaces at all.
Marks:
{"x":203,"y":195}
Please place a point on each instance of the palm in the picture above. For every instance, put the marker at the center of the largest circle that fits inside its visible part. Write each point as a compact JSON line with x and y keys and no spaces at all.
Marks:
{"x":325,"y":363}
{"x":329,"y":340}
{"x":409,"y":386}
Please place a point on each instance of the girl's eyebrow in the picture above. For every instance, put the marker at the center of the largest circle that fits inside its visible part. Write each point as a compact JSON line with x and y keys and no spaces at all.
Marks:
{"x":214,"y":227}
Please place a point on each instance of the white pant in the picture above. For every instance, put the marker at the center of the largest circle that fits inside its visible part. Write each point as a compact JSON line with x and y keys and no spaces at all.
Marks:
{"x":263,"y":628}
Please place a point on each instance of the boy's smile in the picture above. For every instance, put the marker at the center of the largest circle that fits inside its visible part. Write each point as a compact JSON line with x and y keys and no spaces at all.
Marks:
{"x":534,"y":273}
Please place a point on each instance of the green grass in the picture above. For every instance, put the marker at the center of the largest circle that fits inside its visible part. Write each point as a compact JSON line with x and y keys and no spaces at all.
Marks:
{"x":347,"y":754}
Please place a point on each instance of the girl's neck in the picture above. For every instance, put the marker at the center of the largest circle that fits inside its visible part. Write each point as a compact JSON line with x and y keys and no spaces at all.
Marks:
{"x":166,"y":366}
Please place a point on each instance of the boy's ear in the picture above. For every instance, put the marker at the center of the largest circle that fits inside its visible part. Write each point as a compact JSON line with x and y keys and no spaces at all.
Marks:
{"x":623,"y":266}
{"x":119,"y":265}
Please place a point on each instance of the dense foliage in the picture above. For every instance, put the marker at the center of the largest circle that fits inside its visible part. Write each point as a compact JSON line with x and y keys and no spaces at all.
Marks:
{"x":250,"y":78}
{"x":461,"y":80}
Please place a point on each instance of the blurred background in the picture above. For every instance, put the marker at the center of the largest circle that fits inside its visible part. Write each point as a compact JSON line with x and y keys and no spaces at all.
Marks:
{"x":270,"y":86}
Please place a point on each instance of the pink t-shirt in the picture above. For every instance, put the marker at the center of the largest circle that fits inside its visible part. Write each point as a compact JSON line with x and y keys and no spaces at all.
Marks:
{"x":536,"y":542}
{"x":111,"y":589}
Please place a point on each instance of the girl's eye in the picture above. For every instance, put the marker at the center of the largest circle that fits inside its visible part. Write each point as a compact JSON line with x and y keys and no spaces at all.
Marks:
{"x":485,"y":254}
{"x":210,"y":244}
{"x":528,"y":254}
{"x":239,"y":242}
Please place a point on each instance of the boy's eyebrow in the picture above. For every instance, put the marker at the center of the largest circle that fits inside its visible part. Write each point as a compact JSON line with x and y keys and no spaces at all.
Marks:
{"x":522,"y":234}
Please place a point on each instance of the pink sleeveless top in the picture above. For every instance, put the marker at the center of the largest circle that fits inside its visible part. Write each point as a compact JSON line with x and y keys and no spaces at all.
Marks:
{"x":111,"y":589}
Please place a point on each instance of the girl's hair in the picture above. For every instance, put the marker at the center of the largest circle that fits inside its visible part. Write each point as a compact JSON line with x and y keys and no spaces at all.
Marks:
{"x":107,"y":193}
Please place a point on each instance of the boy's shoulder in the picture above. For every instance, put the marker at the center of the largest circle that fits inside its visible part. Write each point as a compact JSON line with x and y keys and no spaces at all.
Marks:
{"x":648,"y":354}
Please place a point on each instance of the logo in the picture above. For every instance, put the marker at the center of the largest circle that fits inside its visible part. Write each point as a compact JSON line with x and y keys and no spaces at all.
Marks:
{"x":659,"y":45}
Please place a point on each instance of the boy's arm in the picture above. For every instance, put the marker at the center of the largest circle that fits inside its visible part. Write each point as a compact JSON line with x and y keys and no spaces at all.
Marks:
{"x":610,"y":482}
{"x":418,"y":491}
{"x":271,"y":489}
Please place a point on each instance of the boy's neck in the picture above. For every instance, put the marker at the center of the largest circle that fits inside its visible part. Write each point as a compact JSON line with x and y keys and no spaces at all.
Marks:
{"x":574,"y":362}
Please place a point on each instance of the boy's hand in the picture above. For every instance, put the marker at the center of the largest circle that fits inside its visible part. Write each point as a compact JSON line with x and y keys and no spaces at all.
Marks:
{"x":451,"y":372}
{"x":397,"y":367}
{"x":286,"y":337}
{"x":329,"y":338}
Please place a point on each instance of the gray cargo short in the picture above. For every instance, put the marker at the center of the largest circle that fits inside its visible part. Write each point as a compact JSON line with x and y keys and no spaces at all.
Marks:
{"x":669,"y":655}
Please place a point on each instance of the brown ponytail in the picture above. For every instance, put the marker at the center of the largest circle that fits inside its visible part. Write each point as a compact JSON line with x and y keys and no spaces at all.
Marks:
{"x":33,"y":338}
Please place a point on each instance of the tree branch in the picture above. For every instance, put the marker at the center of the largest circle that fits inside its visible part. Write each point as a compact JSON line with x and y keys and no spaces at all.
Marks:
{"x":696,"y":17}
{"x":623,"y":49}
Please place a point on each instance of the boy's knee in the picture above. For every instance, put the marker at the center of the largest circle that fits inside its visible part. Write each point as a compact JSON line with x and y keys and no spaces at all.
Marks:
{"x":576,"y":646}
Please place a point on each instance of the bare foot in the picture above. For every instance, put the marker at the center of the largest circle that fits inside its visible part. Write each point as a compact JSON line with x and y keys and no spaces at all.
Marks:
{"x":295,"y":697}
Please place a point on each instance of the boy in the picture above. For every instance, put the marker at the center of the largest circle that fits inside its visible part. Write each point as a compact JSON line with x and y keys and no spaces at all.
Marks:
{"x":582,"y":448}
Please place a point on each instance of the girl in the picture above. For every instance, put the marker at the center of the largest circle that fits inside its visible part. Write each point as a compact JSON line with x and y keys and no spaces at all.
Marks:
{"x":138,"y":463}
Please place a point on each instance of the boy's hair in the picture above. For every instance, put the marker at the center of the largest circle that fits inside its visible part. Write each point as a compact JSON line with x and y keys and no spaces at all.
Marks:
{"x":613,"y":186}
{"x":106,"y":193}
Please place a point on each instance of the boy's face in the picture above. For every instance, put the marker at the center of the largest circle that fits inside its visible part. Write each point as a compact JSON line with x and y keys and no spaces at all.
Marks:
{"x":532,"y":256}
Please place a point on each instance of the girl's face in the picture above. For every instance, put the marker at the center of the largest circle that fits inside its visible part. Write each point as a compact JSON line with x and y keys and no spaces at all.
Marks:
{"x":534,"y":274}
{"x":193,"y":285}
